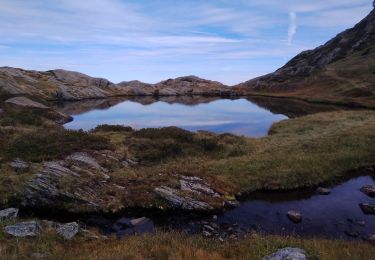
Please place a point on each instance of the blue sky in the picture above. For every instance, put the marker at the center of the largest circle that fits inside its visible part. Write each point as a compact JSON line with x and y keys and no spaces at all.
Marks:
{"x":150,"y":40}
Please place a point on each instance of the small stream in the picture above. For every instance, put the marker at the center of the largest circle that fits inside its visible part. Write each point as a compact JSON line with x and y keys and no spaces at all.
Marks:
{"x":336,"y":216}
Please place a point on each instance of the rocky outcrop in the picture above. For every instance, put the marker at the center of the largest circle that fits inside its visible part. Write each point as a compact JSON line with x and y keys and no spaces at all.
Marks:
{"x":288,"y":253}
{"x":24,"y":102}
{"x":177,"y":200}
{"x":192,"y":193}
{"x":69,"y":85}
{"x":10,"y":213}
{"x":23,"y":229}
{"x":56,"y":84}
{"x":191,"y":85}
{"x":27,"y":105}
{"x":78,"y":181}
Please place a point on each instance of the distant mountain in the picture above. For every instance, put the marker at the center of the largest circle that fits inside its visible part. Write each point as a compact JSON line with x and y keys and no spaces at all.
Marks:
{"x":191,"y":85}
{"x":69,"y":85}
{"x":340,"y":71}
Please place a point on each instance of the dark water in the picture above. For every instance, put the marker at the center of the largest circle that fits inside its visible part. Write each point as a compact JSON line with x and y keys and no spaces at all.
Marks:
{"x":243,"y":116}
{"x":323,"y":216}
{"x":336,"y":216}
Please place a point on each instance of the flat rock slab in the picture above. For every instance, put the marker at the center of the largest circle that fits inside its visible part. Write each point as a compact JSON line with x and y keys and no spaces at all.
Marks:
{"x":10,"y":213}
{"x":288,"y":253}
{"x":68,"y":230}
{"x":176,"y":200}
{"x":25,"y":103}
{"x":369,"y":190}
{"x":23,"y":229}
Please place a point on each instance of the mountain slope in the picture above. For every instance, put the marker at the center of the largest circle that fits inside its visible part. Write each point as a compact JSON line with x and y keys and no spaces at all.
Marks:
{"x":340,"y":71}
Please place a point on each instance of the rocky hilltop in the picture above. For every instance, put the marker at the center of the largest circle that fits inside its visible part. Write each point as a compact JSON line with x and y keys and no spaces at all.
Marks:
{"x":342,"y":70}
{"x":69,"y":85}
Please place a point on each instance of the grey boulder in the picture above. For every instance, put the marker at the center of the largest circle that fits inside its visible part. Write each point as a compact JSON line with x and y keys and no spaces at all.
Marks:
{"x":19,"y":165}
{"x":68,"y":230}
{"x":23,"y":229}
{"x":8,"y":213}
{"x":287,"y":253}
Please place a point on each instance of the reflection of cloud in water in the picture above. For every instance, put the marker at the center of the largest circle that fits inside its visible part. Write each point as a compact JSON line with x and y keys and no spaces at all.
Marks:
{"x":236,"y":116}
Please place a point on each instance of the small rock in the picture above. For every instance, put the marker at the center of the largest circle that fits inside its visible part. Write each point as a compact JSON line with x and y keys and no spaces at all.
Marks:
{"x":68,"y":231}
{"x":23,"y":229}
{"x":231,"y":203}
{"x":139,"y":221}
{"x":368,"y":208}
{"x":370,"y":239}
{"x":323,"y":191}
{"x":142,"y":225}
{"x":232,"y":237}
{"x":206,"y":234}
{"x":287,"y":254}
{"x":369,"y":190}
{"x":8,"y":213}
{"x":295,"y":216}
{"x":19,"y":165}
{"x":214,"y":218}
{"x":89,"y":235}
{"x":209,"y":228}
{"x":358,"y":222}
{"x":351,"y":233}
{"x":1,"y":111}
{"x":122,"y":223}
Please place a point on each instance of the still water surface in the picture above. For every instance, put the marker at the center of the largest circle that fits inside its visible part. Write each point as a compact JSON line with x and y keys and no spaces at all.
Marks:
{"x":234,"y":116}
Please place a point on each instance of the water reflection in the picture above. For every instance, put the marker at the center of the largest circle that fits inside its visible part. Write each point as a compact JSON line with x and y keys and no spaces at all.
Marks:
{"x":251,"y":116}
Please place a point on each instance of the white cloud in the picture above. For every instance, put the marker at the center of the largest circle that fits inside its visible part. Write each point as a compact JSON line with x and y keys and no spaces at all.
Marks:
{"x":292,"y":27}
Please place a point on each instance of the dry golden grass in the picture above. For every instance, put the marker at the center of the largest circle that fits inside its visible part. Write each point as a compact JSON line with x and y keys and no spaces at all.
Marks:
{"x":179,"y":246}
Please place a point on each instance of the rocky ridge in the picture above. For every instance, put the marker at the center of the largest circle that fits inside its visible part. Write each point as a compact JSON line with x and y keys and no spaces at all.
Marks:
{"x":68,"y":85}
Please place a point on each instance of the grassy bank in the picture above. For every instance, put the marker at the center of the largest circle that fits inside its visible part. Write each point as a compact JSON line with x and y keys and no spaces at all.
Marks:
{"x":178,"y":246}
{"x":302,"y":152}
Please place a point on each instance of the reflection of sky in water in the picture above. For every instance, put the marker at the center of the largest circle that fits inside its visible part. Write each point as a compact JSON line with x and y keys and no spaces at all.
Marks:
{"x":233,"y":116}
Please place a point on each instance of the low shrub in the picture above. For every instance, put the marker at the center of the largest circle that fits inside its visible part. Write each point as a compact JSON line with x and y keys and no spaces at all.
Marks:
{"x":175,"y":133}
{"x":151,"y":151}
{"x":157,"y":144}
{"x":52,"y":144}
{"x":112,"y":128}
{"x":23,"y":117}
